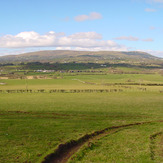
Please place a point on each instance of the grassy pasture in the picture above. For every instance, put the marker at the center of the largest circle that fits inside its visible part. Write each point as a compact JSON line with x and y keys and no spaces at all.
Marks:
{"x":34,"y":124}
{"x":77,"y":82}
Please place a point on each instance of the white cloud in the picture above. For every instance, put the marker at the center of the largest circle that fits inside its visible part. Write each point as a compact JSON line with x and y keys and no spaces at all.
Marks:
{"x":156,"y":53}
{"x":150,"y":10}
{"x":131,"y":38}
{"x":91,"y":16}
{"x":89,"y":35}
{"x":66,"y":19}
{"x":88,"y":40}
{"x":63,"y":48}
{"x":114,"y":48}
{"x":157,"y":1}
{"x":27,"y":39}
{"x":152,"y":28}
{"x":128,"y":38}
{"x":148,"y":40}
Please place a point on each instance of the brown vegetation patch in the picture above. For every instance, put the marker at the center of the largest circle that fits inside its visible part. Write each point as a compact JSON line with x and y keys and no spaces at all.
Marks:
{"x":21,"y":112}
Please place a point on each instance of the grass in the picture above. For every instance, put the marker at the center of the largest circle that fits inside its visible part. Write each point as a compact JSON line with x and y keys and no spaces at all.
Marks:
{"x":76,"y":82}
{"x":33,"y":124}
{"x":130,"y":144}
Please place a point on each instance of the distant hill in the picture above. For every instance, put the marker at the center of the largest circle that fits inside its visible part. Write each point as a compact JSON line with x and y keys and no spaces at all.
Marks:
{"x":78,"y":56}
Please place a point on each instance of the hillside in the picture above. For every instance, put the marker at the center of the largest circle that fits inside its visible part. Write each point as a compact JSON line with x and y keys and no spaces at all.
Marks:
{"x":81,"y":56}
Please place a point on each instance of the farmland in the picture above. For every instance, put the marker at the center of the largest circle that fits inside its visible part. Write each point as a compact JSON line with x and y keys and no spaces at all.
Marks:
{"x":81,"y":81}
{"x":34,"y":123}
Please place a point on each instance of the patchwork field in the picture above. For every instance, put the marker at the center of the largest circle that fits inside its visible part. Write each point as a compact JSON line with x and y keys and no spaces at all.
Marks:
{"x":110,"y":118}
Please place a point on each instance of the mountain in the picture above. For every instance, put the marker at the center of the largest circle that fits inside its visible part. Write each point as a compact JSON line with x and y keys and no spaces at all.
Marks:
{"x":78,"y":56}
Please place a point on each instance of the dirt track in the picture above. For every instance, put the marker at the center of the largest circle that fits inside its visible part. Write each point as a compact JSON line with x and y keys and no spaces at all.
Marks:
{"x":65,"y":151}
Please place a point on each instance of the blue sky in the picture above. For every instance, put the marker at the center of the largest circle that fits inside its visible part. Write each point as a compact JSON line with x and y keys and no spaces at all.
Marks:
{"x":128,"y":25}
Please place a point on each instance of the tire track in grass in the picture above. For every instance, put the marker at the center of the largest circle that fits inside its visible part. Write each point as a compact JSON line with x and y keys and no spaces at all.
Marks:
{"x":153,"y":144}
{"x":66,"y":150}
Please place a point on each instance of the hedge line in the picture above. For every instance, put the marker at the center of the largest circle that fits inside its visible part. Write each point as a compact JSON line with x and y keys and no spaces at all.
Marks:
{"x":61,"y":91}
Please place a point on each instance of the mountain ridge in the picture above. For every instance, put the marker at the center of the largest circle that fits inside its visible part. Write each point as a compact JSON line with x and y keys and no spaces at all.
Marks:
{"x":71,"y":55}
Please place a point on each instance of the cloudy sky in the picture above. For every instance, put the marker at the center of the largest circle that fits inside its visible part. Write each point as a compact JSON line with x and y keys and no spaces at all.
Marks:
{"x":124,"y":25}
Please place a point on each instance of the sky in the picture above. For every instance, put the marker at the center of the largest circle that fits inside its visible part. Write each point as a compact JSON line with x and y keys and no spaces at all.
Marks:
{"x":95,"y":25}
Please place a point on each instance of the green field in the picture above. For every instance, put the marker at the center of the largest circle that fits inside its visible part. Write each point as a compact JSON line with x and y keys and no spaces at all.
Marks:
{"x":32,"y":125}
